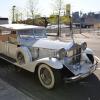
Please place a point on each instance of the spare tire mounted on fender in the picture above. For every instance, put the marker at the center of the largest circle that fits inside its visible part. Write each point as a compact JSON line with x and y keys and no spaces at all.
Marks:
{"x":23,"y":55}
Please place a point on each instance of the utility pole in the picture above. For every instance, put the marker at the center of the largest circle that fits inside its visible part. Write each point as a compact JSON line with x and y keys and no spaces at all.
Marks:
{"x":59,"y":28}
{"x":45,"y":22}
{"x":68,"y":13}
{"x":70,"y":22}
{"x":13,"y":11}
{"x":58,"y":32}
{"x":80,"y":22}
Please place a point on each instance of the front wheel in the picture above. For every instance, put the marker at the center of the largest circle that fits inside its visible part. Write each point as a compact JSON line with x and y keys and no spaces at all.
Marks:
{"x":47,"y":76}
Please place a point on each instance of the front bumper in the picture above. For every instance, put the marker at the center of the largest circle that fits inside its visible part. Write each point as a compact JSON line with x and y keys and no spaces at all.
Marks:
{"x":81,"y":75}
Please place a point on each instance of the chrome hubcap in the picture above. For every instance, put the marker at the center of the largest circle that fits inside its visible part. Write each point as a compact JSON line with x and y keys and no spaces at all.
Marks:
{"x":45,"y":76}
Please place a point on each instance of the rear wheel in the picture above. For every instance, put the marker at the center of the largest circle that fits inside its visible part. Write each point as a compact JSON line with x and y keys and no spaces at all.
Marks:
{"x":47,"y":76}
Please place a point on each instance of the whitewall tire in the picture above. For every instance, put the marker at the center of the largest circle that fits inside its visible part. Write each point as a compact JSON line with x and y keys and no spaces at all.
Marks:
{"x":46,"y":76}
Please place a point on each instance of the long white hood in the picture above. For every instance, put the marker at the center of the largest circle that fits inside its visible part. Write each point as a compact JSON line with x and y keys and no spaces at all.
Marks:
{"x":50,"y":44}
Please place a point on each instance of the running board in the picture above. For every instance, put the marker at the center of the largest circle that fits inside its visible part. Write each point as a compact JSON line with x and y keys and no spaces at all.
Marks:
{"x":13,"y":61}
{"x":8,"y":59}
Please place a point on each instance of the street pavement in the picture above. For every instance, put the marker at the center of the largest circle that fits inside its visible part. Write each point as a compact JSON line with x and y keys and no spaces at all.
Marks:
{"x":22,"y":85}
{"x":8,"y":92}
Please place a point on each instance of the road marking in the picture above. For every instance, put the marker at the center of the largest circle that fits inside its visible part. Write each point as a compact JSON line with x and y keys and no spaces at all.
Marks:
{"x":98,"y":68}
{"x":98,"y":59}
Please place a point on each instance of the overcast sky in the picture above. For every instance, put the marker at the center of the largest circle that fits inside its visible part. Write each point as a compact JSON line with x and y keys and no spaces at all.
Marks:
{"x":45,"y":6}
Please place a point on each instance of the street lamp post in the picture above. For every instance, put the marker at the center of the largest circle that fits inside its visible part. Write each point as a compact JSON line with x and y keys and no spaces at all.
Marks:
{"x":58,"y":32}
{"x":58,"y":16}
{"x":80,"y":22}
{"x":71,"y":27}
{"x":13,"y":11}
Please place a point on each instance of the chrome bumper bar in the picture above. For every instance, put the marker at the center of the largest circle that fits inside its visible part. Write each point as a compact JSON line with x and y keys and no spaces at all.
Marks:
{"x":81,"y":75}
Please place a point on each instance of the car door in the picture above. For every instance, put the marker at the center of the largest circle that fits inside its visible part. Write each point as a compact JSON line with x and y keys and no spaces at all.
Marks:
{"x":4,"y":47}
{"x":3,"y":44}
{"x":12,"y":46}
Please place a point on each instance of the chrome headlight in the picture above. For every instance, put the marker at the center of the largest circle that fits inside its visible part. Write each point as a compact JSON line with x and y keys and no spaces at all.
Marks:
{"x":61,"y":53}
{"x":70,"y":53}
{"x":84,"y":45}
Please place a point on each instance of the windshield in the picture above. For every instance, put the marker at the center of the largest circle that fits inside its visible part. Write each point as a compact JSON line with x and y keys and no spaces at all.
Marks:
{"x":27,"y":37}
{"x":25,"y":33}
{"x":39,"y":33}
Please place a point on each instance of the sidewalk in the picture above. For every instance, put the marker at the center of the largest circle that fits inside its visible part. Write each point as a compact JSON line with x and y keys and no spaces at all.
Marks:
{"x":7,"y":92}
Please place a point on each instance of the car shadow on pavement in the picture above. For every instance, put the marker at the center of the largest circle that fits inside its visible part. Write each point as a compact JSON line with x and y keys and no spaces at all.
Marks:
{"x":24,"y":81}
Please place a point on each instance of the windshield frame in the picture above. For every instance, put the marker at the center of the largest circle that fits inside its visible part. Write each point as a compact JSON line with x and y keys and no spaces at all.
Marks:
{"x":43,"y":33}
{"x":21,"y":33}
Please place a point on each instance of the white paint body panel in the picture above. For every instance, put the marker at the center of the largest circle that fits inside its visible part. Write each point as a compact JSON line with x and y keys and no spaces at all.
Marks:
{"x":54,"y":63}
{"x":45,"y":52}
{"x":19,"y":26}
{"x":88,"y":51}
{"x":50,"y":44}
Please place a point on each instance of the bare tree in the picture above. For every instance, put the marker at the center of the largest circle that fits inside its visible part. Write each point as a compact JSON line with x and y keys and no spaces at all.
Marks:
{"x":32,"y":7}
{"x":58,"y":6}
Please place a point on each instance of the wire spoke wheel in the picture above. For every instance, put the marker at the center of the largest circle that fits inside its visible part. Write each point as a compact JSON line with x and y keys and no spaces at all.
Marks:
{"x":46,"y":76}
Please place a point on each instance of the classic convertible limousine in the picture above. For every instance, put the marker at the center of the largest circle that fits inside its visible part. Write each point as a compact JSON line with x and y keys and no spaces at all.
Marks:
{"x":28,"y":47}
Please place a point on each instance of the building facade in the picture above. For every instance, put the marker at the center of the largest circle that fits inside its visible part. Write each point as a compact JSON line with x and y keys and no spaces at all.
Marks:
{"x":3,"y":20}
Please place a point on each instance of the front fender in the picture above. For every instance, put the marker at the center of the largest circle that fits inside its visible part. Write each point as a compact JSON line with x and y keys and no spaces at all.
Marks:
{"x":84,"y":56}
{"x":88,"y":51}
{"x":52,"y":62}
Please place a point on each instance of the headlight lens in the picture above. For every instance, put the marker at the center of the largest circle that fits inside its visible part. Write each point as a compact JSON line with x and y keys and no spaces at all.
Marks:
{"x":61,"y":53}
{"x":70,"y":53}
{"x":84,"y":45}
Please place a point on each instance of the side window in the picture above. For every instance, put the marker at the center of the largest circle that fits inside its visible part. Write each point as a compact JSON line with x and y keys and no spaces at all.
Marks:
{"x":4,"y":35}
{"x":12,"y":38}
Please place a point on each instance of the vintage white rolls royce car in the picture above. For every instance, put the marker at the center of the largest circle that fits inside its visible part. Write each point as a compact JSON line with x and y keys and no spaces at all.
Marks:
{"x":28,"y":47}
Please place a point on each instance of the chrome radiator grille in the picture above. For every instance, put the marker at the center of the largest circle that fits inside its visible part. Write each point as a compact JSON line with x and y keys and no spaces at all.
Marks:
{"x":76,"y":55}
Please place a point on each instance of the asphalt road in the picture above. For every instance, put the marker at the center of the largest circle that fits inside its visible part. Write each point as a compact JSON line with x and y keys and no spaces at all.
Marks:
{"x":86,"y":89}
